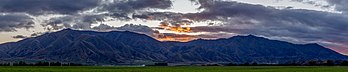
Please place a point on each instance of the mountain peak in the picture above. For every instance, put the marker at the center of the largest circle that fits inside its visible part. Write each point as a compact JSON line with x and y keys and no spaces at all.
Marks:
{"x":250,"y":35}
{"x":124,"y":47}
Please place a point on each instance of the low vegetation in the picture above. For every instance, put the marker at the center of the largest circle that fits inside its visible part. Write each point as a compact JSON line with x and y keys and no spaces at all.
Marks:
{"x":309,"y":66}
{"x":299,"y":63}
{"x":174,"y":69}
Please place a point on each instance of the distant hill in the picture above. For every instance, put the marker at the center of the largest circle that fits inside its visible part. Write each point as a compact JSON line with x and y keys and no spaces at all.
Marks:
{"x":127,"y":47}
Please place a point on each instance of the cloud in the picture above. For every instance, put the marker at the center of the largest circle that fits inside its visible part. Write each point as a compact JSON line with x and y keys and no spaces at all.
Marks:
{"x":340,"y":5}
{"x":37,"y":7}
{"x":268,"y":21}
{"x":299,"y":25}
{"x":104,"y":27}
{"x":127,"y":6}
{"x":36,"y":34}
{"x":117,"y":9}
{"x":24,"y":36}
{"x":74,"y":21}
{"x":241,"y":18}
{"x":19,"y":37}
{"x":296,"y":25}
{"x":10,"y":22}
{"x":174,"y":37}
{"x":215,"y":29}
{"x":137,"y":28}
{"x":78,"y":14}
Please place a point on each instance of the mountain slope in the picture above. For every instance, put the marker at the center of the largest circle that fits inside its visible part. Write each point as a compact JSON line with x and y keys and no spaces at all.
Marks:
{"x":251,"y":49}
{"x":127,"y":47}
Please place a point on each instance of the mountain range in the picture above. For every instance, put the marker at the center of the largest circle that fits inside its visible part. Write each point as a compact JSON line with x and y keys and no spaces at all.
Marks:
{"x":124,"y":47}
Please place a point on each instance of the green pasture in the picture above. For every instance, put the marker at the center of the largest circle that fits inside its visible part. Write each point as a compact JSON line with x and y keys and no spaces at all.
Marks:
{"x":177,"y":69}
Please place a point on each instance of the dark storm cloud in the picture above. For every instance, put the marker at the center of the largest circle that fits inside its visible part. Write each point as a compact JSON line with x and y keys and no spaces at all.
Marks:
{"x":268,"y":21}
{"x":74,"y":21}
{"x":38,"y":7}
{"x":36,"y":34}
{"x":137,"y":28}
{"x":301,"y":25}
{"x":19,"y":37}
{"x":132,"y":5}
{"x":104,"y":27}
{"x":214,"y":29}
{"x":10,"y":22}
{"x":73,"y":11}
{"x":118,"y":9}
{"x":340,"y":5}
{"x":47,"y":6}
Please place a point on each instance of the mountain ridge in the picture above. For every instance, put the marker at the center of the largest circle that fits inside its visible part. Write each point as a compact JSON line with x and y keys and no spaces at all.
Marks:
{"x":116,"y":47}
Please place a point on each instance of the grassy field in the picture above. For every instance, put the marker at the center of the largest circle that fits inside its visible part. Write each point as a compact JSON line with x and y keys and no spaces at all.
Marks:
{"x":177,"y":69}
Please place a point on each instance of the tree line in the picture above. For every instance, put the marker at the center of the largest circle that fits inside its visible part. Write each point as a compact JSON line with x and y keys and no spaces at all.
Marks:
{"x":306,"y":63}
{"x":40,"y":63}
{"x":299,"y":63}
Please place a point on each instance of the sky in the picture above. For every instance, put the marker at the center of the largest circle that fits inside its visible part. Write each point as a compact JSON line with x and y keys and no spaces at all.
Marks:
{"x":297,"y":21}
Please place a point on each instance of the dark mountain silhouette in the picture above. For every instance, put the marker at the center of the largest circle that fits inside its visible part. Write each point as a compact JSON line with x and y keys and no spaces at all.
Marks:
{"x":127,"y":47}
